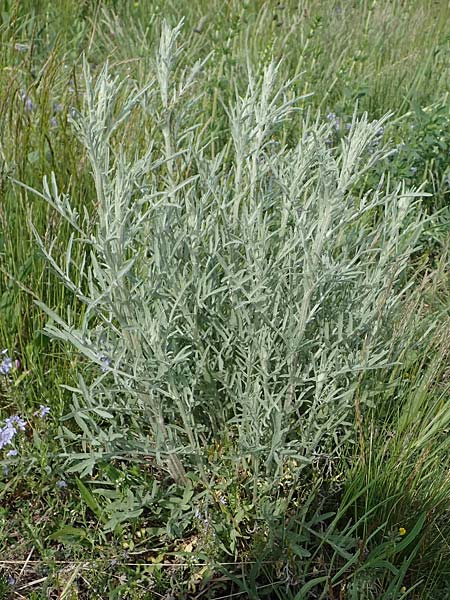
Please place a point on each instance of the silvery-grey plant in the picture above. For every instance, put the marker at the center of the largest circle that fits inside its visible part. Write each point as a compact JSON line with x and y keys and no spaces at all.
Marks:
{"x":240,"y":295}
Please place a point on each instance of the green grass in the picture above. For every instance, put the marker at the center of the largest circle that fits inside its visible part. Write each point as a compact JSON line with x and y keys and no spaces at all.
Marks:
{"x":121,"y":527}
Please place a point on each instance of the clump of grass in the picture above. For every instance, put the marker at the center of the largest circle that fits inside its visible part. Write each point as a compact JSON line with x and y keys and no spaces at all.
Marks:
{"x":397,"y":488}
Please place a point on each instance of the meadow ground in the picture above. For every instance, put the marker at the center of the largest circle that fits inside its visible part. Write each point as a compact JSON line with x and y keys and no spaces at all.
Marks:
{"x":224,"y":299}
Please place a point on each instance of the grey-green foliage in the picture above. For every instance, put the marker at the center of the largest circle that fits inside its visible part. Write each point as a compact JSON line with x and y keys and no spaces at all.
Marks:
{"x":239,"y":295}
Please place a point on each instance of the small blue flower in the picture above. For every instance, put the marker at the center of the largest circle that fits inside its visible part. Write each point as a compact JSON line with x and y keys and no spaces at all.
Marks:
{"x":16,"y":420}
{"x":5,"y":470}
{"x":331,"y":116}
{"x":10,"y":580}
{"x":7,"y":434}
{"x":12,"y":453}
{"x":9,"y":430}
{"x":106,"y":363}
{"x":61,"y":484}
{"x":27,"y":102}
{"x":6,"y":365}
{"x":413,"y":170}
{"x":42,"y":412}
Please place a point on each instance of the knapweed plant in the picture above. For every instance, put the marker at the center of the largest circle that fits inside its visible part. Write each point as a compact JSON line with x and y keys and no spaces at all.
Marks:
{"x":234,"y":298}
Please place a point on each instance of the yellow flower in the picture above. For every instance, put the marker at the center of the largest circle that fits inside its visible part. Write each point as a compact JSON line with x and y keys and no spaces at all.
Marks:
{"x":401,"y":531}
{"x":403,"y":589}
